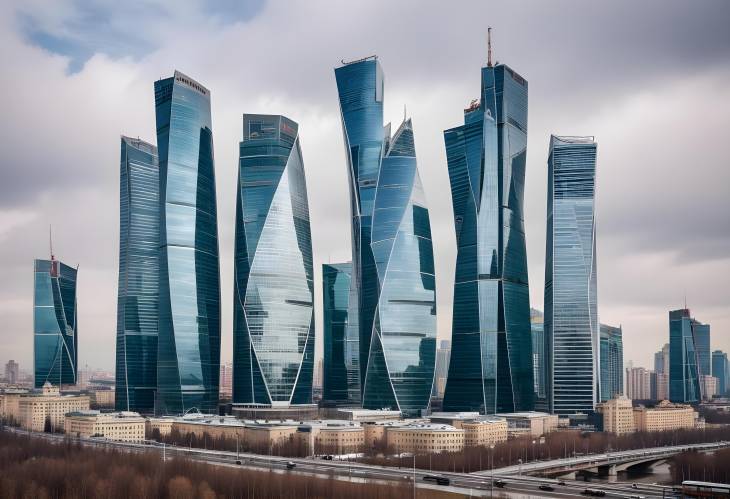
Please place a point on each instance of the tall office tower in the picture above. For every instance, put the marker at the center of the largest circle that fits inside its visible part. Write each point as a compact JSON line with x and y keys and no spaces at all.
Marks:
{"x":491,"y":367}
{"x":336,"y":291}
{"x":273,"y":318}
{"x":638,"y":383}
{"x":188,"y":356}
{"x":226,"y":380}
{"x":721,"y":370}
{"x":138,"y":289}
{"x":662,"y":386}
{"x":571,"y":318}
{"x":537,"y":326}
{"x":612,"y":362}
{"x":392,"y":317}
{"x":55,"y":329}
{"x":443,"y":355}
{"x":661,"y":360}
{"x":702,"y":344}
{"x":12,"y":373}
{"x":684,"y":375}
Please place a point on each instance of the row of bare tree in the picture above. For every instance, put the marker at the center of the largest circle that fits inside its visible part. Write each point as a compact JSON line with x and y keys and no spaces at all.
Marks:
{"x":705,"y":467}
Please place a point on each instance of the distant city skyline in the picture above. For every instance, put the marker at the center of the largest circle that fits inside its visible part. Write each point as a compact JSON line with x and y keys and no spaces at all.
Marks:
{"x":661,"y":205}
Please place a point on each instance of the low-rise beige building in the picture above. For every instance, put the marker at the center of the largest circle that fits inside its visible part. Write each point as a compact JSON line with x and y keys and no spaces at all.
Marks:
{"x":262,"y":434}
{"x":35,"y":408}
{"x":10,"y":404}
{"x":163,"y":425}
{"x":664,"y":416}
{"x":484,"y":431}
{"x":213,"y":426}
{"x":117,"y":426}
{"x":425,"y":438}
{"x":102,"y":398}
{"x":618,"y":415}
{"x":532,"y":423}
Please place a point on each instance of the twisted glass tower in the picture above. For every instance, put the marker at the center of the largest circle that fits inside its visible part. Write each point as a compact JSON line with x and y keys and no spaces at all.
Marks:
{"x":491,"y":368}
{"x":391,"y":344}
{"x":336,"y":294}
{"x":55,"y":338}
{"x":188,"y":356}
{"x":137,"y":300}
{"x":571,"y":318}
{"x":684,"y":371}
{"x":273,"y":330}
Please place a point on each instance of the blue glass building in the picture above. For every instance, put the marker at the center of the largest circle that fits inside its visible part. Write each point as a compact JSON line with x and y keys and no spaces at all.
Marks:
{"x":612,"y":362}
{"x":702,"y":343}
{"x":55,"y":329}
{"x":684,"y":374}
{"x":392,"y":316}
{"x":491,"y":368}
{"x":138,"y":290}
{"x":721,"y":370}
{"x":336,"y":294}
{"x":571,"y":318}
{"x":188,"y":357}
{"x":273,"y":330}
{"x":537,"y":328}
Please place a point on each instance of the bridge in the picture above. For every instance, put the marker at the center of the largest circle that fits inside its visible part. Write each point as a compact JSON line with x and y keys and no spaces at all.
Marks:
{"x":607,"y":463}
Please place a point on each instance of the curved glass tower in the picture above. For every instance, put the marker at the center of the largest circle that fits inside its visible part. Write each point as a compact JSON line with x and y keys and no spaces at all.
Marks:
{"x":491,"y":368}
{"x":55,"y":338}
{"x":188,"y":356}
{"x":612,"y":362}
{"x":684,"y":370}
{"x":392,"y":319}
{"x":336,"y":294}
{"x":571,"y":317}
{"x":137,"y":301}
{"x":273,"y":328}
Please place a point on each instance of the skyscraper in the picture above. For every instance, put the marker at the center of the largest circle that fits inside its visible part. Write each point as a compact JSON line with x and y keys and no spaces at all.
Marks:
{"x":721,"y":370}
{"x":661,"y":360}
{"x":702,"y":343}
{"x":55,"y":330}
{"x":684,"y":375}
{"x":188,"y":359}
{"x":443,"y":355}
{"x":336,"y":291}
{"x":138,"y":289}
{"x":12,"y":372}
{"x":392,"y":317}
{"x":273,"y":319}
{"x":491,"y":368}
{"x":571,"y":318}
{"x":537,"y":327}
{"x":638,"y":383}
{"x":612,"y":362}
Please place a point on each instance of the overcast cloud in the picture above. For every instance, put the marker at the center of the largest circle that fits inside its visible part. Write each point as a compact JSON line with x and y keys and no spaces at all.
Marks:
{"x":648,"y":79}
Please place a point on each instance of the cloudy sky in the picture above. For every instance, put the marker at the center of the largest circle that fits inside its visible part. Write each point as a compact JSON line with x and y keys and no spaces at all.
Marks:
{"x":648,"y":79}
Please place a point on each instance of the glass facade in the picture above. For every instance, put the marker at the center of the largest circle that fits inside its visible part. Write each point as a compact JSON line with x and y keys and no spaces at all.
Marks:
{"x":612,"y":362}
{"x":684,"y":375}
{"x":188,"y":357}
{"x":571,"y":319}
{"x":55,"y":329}
{"x":491,"y":368}
{"x":391,"y":334}
{"x":537,"y":327}
{"x":702,"y":343}
{"x":137,"y":300}
{"x":273,"y":331}
{"x":720,"y":371}
{"x":661,"y":360}
{"x":336,"y":294}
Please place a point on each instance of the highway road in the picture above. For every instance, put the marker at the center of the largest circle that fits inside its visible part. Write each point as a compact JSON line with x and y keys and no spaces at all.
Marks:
{"x":468,"y":484}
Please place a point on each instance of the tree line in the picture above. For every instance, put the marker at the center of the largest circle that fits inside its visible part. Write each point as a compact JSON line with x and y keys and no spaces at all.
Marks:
{"x":702,"y":466}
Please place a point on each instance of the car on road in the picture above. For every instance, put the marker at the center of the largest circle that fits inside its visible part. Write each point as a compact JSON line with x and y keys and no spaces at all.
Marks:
{"x":290,"y":465}
{"x":499,"y":483}
{"x":440,"y":480}
{"x":238,"y":461}
{"x":593,"y":492}
{"x":561,"y":482}
{"x":636,"y":496}
{"x":546,"y":487}
{"x":634,"y":486}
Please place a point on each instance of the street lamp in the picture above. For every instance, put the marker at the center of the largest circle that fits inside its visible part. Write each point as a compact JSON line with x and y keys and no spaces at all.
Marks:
{"x":491,"y":470}
{"x":519,"y":461}
{"x":533,"y":449}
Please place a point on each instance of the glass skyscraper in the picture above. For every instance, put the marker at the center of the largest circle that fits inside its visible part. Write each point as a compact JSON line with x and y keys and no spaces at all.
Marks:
{"x":571,"y":319}
{"x":537,"y":328}
{"x":721,"y":370}
{"x":139,"y":254}
{"x":55,"y":338}
{"x":188,"y":357}
{"x":612,"y":362}
{"x":273,"y":328}
{"x":661,"y":360}
{"x":684,"y":374}
{"x":392,"y":318}
{"x":702,"y":343}
{"x":491,"y":368}
{"x":336,"y":293}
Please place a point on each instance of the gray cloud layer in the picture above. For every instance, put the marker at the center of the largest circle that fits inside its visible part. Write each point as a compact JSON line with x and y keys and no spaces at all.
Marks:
{"x":648,"y":79}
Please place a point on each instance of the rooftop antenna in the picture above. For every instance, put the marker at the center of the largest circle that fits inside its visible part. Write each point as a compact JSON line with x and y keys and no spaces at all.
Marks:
{"x":404,"y":113}
{"x":50,"y":240}
{"x":489,"y":47}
